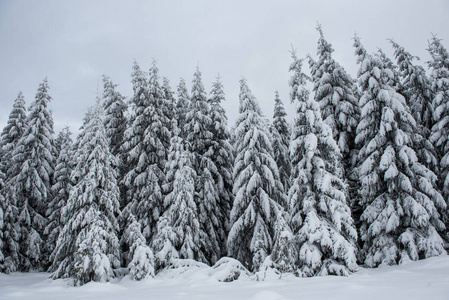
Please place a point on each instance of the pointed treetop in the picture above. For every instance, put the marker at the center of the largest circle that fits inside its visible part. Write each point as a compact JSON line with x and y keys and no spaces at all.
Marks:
{"x":360,"y":51}
{"x":319,"y":28}
{"x":299,"y":79}
{"x":247,"y":100}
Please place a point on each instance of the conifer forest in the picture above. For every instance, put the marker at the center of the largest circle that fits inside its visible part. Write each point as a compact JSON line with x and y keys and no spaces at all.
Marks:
{"x":357,"y":176}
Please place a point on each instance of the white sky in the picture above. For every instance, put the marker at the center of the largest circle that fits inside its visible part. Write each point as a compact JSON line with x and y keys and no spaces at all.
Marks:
{"x":75,"y":42}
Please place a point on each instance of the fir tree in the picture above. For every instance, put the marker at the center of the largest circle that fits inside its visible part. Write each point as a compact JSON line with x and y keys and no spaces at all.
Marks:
{"x":179,"y":232}
{"x":169,"y":107}
{"x":207,"y":198}
{"x":182,"y":106}
{"x":61,"y":189}
{"x":115,"y":119}
{"x":146,"y":142}
{"x":439,"y":66}
{"x":10,"y":136}
{"x":33,"y":169}
{"x":165,"y":242}
{"x":397,"y":194}
{"x":87,"y":248}
{"x":166,"y":239}
{"x":222,"y":156}
{"x":140,"y":257}
{"x":257,"y":188}
{"x":3,"y":208}
{"x":285,"y":249}
{"x":281,"y":142}
{"x":133,"y":150}
{"x":321,"y":218}
{"x":392,"y":70}
{"x":417,"y":89}
{"x":334,"y":92}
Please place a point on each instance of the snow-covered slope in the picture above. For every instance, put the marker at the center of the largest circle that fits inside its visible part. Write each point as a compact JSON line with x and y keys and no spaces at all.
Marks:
{"x":427,"y":279}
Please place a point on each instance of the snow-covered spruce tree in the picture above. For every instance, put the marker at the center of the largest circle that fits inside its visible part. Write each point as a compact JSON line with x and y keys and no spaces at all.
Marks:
{"x":165,"y":242}
{"x":3,"y":208}
{"x":115,"y":119}
{"x":61,"y":189}
{"x":322,"y":222}
{"x":166,"y":238}
{"x":280,"y":131}
{"x":88,"y":248}
{"x":169,"y":106}
{"x":207,"y":198}
{"x":257,"y":188}
{"x":398,"y":199}
{"x":10,"y":136}
{"x":285,"y":249}
{"x":222,"y":156}
{"x":182,"y":106}
{"x":392,"y":69}
{"x":439,"y":136}
{"x":9,"y":232}
{"x":133,"y":150}
{"x":182,"y":235}
{"x":334,"y":92}
{"x":34,"y":164}
{"x":145,"y":148}
{"x":140,"y":256}
{"x":417,"y":89}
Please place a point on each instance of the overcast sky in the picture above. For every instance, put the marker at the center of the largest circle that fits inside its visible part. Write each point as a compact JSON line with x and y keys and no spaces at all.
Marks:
{"x":74,"y":42}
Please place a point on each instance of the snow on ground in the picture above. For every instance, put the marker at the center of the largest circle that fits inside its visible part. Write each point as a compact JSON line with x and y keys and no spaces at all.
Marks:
{"x":427,"y":279}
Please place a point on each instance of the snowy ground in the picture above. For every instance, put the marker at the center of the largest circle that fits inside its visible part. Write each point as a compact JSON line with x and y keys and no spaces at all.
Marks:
{"x":426,"y":279}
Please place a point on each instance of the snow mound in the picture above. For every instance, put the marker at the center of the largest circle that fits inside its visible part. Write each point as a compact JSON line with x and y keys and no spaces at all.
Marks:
{"x":185,"y":269}
{"x":225,"y":270}
{"x":228,"y":269}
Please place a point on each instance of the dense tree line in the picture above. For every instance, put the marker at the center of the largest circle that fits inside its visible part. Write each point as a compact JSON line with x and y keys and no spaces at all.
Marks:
{"x":361,"y":175}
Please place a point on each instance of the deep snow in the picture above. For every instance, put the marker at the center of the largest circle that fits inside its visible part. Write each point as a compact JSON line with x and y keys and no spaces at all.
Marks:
{"x":427,"y":279}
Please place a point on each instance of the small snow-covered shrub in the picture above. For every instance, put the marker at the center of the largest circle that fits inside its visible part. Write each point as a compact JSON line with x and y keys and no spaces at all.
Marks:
{"x":228,"y":269}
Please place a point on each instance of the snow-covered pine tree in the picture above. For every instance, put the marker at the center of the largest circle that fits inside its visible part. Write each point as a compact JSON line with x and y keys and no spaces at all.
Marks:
{"x":222,"y":156}
{"x":417,"y":89}
{"x":397,"y":194}
{"x":145,"y":142}
{"x":87,"y":248}
{"x":392,"y":69}
{"x":179,"y":231}
{"x":322,"y":222}
{"x":439,"y":136}
{"x":115,"y":115}
{"x":280,"y":131}
{"x":159,"y":131}
{"x":207,"y":198}
{"x":133,"y":150}
{"x":140,"y":257}
{"x":285,"y":249}
{"x":257,"y":188}
{"x":166,"y":238}
{"x":34,"y":167}
{"x":182,"y":106}
{"x":9,"y":232}
{"x":169,"y":107}
{"x":61,"y":189}
{"x":334,"y":92}
{"x":10,"y":136}
{"x":3,"y":208}
{"x":165,"y":242}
